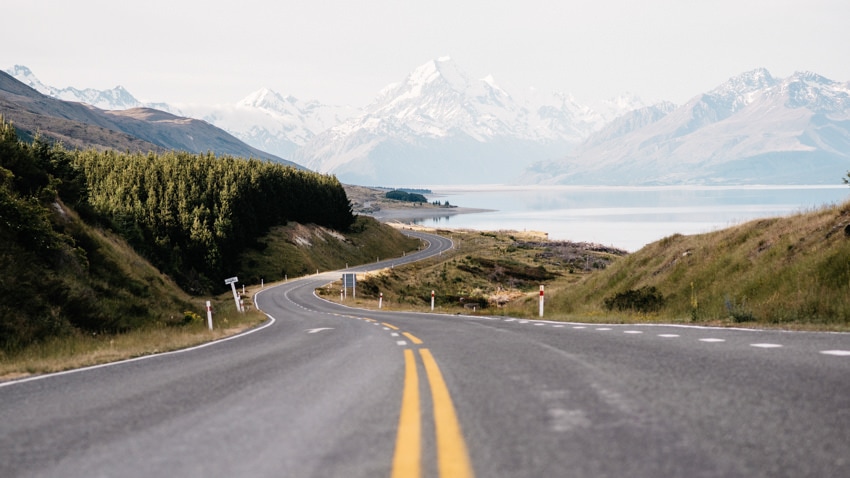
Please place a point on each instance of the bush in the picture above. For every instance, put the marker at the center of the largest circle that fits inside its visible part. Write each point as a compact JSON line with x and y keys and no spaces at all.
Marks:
{"x":643,"y":300}
{"x":739,"y":312}
{"x":406,"y":196}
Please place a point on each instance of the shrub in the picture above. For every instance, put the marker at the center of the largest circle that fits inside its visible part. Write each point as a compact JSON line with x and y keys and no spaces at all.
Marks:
{"x":739,"y":312}
{"x":643,"y":300}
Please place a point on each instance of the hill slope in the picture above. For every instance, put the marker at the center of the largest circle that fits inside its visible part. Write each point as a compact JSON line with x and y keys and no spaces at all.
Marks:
{"x":81,"y":126}
{"x":65,"y":274}
{"x":780,"y":271}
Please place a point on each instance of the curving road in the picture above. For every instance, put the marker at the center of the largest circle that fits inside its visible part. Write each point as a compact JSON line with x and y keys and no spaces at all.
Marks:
{"x":324,"y":390}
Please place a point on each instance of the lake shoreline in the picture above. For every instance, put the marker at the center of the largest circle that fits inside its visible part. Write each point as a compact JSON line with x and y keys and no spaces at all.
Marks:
{"x":418,"y":214}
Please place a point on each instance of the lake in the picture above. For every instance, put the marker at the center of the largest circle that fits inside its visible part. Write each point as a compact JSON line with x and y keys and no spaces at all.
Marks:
{"x":624,"y":217}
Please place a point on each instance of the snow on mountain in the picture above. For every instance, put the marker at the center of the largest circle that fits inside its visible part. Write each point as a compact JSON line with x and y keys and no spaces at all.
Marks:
{"x":271,"y":122}
{"x":25,"y":76}
{"x":117,"y":98}
{"x":753,"y":129}
{"x":264,"y":119}
{"x":439,"y":126}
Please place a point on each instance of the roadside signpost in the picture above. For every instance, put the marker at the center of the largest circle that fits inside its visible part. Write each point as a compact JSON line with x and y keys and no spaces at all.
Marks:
{"x":349,"y":280}
{"x":232,"y":282}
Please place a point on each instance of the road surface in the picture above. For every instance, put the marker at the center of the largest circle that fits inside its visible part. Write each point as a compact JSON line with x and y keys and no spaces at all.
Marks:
{"x":325,"y":390}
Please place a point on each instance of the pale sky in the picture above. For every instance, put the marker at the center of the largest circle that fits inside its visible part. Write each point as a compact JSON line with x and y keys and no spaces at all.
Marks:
{"x":344,"y":52}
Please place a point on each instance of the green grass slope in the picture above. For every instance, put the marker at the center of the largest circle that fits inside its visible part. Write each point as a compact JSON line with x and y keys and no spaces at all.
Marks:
{"x":296,"y":250}
{"x":790,"y":271}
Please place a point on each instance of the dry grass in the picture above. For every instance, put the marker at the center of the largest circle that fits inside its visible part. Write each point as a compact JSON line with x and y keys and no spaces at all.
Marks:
{"x":485,"y":273}
{"x":291,"y":251}
{"x":82,"y":350}
{"x":789,"y":272}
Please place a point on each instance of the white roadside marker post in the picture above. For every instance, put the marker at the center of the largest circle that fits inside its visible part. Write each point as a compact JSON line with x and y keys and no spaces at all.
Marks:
{"x":432,"y":301}
{"x":541,"y":301}
{"x":380,"y":300}
{"x":209,"y":315}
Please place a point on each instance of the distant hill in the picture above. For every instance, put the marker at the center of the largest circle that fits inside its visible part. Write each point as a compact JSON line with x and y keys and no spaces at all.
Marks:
{"x":82,"y":126}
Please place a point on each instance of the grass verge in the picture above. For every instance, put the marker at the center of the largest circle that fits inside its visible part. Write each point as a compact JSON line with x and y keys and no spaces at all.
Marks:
{"x":787,"y":272}
{"x":85,"y":349}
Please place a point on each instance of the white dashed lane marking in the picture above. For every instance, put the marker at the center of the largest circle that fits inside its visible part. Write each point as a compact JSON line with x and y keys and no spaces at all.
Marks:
{"x":834,"y":353}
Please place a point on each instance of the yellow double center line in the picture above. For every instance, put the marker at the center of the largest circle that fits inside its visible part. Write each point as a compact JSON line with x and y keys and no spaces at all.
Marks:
{"x":452,"y":455}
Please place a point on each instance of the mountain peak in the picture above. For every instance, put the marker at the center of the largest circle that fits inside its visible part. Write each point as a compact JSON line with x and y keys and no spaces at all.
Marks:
{"x":19,"y":70}
{"x":26,"y":76}
{"x":263,"y":98}
{"x":443,"y":68}
{"x":810,"y":77}
{"x":815,"y":92}
{"x":747,"y":82}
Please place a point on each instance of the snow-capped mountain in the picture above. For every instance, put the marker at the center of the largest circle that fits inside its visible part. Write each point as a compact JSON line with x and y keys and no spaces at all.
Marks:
{"x":435,"y":126}
{"x":439,"y":127}
{"x":117,"y":98}
{"x":264,"y":119}
{"x":753,"y":129}
{"x":271,"y":122}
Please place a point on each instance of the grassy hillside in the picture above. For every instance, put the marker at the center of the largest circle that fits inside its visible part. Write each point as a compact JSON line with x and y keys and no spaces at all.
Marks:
{"x":295,"y":249}
{"x":163,"y":317}
{"x":486,"y":272}
{"x":96,"y":243}
{"x":789,"y":272}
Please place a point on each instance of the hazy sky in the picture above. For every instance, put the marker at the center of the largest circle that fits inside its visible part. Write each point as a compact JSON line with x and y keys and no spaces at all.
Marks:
{"x":344,"y":52}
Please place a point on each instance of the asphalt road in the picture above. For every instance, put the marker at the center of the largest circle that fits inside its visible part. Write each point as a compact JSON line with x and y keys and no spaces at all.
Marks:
{"x":325,"y":390}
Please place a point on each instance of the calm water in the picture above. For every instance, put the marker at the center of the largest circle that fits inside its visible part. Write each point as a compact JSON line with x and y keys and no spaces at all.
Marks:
{"x":625,"y":217}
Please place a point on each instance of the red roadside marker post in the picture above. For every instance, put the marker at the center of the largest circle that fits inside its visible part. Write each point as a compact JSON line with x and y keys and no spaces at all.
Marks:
{"x":541,"y":301}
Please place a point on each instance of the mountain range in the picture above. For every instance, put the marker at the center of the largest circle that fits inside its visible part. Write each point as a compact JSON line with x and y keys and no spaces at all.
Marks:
{"x":440,"y":127}
{"x":753,"y":129}
{"x":81,"y":125}
{"x":437,"y":126}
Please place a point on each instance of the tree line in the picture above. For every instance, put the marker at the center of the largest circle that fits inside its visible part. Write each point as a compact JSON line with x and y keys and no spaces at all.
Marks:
{"x":192,"y":214}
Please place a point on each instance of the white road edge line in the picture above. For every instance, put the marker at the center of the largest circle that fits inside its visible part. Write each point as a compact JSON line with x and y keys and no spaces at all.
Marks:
{"x":271,"y":321}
